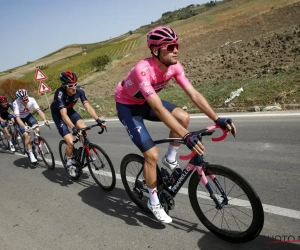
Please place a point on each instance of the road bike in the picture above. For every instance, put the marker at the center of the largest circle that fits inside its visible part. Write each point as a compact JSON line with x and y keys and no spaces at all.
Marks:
{"x":15,"y":135}
{"x":222,"y":199}
{"x":40,"y":147}
{"x":92,"y":156}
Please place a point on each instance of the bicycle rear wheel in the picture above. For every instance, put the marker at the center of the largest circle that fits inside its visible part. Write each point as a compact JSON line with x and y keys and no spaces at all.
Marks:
{"x":101,"y":168}
{"x":132,"y":166}
{"x":62,"y":153}
{"x":241,"y":218}
{"x":46,"y":154}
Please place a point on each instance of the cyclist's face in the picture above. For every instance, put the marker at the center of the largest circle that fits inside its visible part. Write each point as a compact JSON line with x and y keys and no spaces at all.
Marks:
{"x":4,"y":104}
{"x":168,"y":57}
{"x":24,"y":102}
{"x":71,"y":90}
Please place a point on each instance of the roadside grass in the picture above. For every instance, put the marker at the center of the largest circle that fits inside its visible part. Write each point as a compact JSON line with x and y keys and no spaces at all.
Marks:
{"x":281,"y":88}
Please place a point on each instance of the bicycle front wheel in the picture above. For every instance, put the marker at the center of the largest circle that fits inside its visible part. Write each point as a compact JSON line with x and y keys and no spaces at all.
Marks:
{"x":101,"y":168}
{"x":45,"y":152}
{"x":20,"y":142}
{"x":132,"y":167}
{"x":241,"y":217}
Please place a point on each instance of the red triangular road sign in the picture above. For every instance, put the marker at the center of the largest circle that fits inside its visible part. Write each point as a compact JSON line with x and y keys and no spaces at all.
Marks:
{"x":39,"y":75}
{"x":43,"y":88}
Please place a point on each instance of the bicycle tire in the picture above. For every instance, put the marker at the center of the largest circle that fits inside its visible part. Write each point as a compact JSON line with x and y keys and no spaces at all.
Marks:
{"x":62,"y":158}
{"x":106,"y":165}
{"x":134,"y":161}
{"x":49,"y":166}
{"x":236,"y":236}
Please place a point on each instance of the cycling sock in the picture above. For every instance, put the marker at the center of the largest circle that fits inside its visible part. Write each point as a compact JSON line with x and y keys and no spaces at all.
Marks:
{"x":153,"y":196}
{"x":69,"y":160}
{"x":172,"y":152}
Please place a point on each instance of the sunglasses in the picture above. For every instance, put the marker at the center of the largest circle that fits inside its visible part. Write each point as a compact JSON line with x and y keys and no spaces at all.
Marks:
{"x":25,"y":100}
{"x":170,"y":47}
{"x":71,"y":85}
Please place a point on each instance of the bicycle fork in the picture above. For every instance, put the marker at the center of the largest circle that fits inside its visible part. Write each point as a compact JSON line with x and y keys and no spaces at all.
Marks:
{"x":199,"y":164}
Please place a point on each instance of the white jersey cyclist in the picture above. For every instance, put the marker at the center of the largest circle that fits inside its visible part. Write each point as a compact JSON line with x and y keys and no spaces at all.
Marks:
{"x":23,"y":111}
{"x":24,"y":118}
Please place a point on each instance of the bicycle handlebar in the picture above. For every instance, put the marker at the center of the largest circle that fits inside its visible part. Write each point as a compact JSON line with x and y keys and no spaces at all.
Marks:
{"x":209,"y":130}
{"x":90,"y":127}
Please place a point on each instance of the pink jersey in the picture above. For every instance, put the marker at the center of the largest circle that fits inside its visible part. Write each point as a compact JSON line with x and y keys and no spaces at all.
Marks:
{"x":145,"y":80}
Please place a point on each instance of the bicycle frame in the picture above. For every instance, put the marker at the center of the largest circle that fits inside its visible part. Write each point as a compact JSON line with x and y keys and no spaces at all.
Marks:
{"x":86,"y":142}
{"x":36,"y":136}
{"x":196,"y":163}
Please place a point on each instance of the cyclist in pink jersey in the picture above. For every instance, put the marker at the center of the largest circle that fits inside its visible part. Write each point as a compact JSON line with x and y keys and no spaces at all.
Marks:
{"x":136,"y":99}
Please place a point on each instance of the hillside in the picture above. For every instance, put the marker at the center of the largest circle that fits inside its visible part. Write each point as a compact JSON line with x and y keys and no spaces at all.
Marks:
{"x":253,"y":43}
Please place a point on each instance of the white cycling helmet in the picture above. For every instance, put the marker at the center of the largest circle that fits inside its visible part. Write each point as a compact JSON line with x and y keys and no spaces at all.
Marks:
{"x":22,"y":94}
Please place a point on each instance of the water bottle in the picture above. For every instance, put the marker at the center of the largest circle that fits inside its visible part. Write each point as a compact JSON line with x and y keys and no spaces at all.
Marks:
{"x":36,"y":142}
{"x":165,"y":176}
{"x":175,"y":175}
{"x":82,"y":155}
{"x":78,"y":153}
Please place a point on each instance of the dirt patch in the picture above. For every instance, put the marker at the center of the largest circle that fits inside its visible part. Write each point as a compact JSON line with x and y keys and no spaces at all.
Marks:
{"x":269,"y":54}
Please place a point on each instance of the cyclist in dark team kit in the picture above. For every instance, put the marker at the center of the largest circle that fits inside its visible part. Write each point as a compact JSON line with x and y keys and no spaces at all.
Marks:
{"x":4,"y":116}
{"x":64,"y":115}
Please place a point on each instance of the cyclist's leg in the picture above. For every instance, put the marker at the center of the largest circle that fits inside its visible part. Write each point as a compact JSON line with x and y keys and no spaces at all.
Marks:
{"x":76,"y":119}
{"x":183,"y":118}
{"x":25,"y":134}
{"x":4,"y":126}
{"x":32,"y":122}
{"x":6,"y":134}
{"x":131,"y":116}
{"x":64,"y":132}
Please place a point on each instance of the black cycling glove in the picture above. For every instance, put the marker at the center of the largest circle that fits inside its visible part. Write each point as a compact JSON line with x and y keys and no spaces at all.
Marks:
{"x":75,"y":131}
{"x":190,"y":140}
{"x":99,"y":121}
{"x":222,"y":122}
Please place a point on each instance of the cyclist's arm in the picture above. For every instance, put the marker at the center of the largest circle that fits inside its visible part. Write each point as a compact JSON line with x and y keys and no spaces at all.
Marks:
{"x":200,"y":101}
{"x":42,"y":115}
{"x":165,"y":116}
{"x":66,"y":118}
{"x":90,"y":110}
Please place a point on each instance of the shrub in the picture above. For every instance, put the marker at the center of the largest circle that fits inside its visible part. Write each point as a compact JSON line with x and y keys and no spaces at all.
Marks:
{"x":9,"y":87}
{"x":99,"y":62}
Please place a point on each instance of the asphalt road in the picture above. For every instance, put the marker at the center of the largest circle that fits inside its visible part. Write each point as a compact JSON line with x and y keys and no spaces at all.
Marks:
{"x":43,"y":209}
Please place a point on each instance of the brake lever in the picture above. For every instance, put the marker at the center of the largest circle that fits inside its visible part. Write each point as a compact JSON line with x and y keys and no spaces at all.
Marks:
{"x":102,"y":130}
{"x":232,"y":132}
